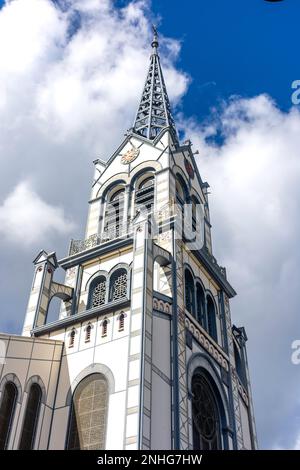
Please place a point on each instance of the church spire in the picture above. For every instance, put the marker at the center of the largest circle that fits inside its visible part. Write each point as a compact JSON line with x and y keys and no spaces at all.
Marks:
{"x":154,"y":112}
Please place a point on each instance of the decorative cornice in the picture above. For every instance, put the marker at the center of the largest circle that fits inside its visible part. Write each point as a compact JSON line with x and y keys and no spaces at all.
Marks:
{"x":80,"y":317}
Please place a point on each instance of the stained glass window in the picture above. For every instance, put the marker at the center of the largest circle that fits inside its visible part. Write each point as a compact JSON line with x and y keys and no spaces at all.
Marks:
{"x":206,"y":424}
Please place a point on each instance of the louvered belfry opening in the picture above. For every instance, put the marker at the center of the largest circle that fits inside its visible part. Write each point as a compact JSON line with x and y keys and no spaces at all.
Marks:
{"x":144,"y":196}
{"x":114,"y":214}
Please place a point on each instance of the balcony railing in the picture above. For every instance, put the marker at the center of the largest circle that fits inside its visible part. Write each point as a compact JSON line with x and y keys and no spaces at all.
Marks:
{"x":113,"y":232}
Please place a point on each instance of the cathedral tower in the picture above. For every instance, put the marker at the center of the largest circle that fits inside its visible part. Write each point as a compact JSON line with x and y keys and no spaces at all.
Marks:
{"x":143,"y":354}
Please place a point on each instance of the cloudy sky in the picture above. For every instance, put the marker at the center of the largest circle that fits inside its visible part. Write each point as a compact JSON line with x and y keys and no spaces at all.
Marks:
{"x":71,"y":74}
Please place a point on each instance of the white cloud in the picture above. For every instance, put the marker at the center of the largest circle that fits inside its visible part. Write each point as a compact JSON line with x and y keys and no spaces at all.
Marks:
{"x":26,"y":219}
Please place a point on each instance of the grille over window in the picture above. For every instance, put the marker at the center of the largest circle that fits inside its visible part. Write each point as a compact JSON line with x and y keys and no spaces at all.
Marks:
{"x":119,"y":285}
{"x":87,"y":427}
{"x":98,"y":294}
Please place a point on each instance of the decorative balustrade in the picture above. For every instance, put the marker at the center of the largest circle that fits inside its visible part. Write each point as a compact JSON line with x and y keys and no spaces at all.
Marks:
{"x":113,"y":232}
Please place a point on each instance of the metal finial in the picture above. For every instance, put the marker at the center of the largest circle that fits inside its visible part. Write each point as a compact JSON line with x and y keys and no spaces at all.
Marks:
{"x":154,"y":43}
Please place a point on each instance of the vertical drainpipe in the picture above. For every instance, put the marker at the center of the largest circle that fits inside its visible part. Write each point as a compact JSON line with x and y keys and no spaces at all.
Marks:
{"x":175,"y":348}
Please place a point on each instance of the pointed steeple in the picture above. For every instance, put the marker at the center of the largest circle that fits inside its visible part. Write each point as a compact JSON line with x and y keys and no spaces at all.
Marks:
{"x":154,"y":111}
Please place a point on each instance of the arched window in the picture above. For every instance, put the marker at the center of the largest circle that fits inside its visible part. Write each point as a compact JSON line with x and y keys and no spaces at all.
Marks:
{"x":7,"y":409}
{"x":118,"y":285}
{"x":195,"y":204}
{"x":181,"y":190}
{"x":104,"y":328}
{"x":114,"y":213}
{"x":87,"y":425}
{"x":205,"y":412}
{"x":144,"y":195}
{"x":88,"y":333}
{"x":182,"y":198}
{"x":240,"y":366}
{"x":97,"y":293}
{"x":121,"y":321}
{"x":72,"y":338}
{"x":200,"y":301}
{"x":211,"y":319}
{"x":189,"y":292}
{"x":31,"y":417}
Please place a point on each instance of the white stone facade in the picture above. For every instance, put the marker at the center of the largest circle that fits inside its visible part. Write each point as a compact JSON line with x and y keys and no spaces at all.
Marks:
{"x":143,"y":337}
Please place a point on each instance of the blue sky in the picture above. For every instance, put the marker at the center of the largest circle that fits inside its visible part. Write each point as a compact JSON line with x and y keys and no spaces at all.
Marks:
{"x":65,"y":101}
{"x":243,"y":47}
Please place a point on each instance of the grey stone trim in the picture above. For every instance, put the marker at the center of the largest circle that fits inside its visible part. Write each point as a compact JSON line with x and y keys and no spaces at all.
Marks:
{"x":134,"y":357}
{"x":36,"y":379}
{"x":14,"y":379}
{"x":148,"y":335}
{"x":146,"y":442}
{"x":147,"y":384}
{"x":133,"y":410}
{"x":79,"y":317}
{"x":135,"y":333}
{"x":161,"y":374}
{"x":204,"y":362}
{"x":133,"y":383}
{"x":95,"y":368}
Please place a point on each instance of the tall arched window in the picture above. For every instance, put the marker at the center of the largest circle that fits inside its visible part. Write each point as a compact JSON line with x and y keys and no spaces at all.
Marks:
{"x":31,"y":417}
{"x":206,"y":418}
{"x":182,"y":198}
{"x":114,"y":213}
{"x":7,"y":409}
{"x":200,"y":305}
{"x":189,"y":292}
{"x":87,"y":425}
{"x":211,"y":319}
{"x":181,"y":190}
{"x":195,"y":204}
{"x":118,"y":285}
{"x":240,"y":366}
{"x":97,"y":292}
{"x":144,"y":195}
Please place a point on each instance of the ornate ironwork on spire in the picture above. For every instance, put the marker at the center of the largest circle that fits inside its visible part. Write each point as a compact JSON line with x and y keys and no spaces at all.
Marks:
{"x":154,"y":112}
